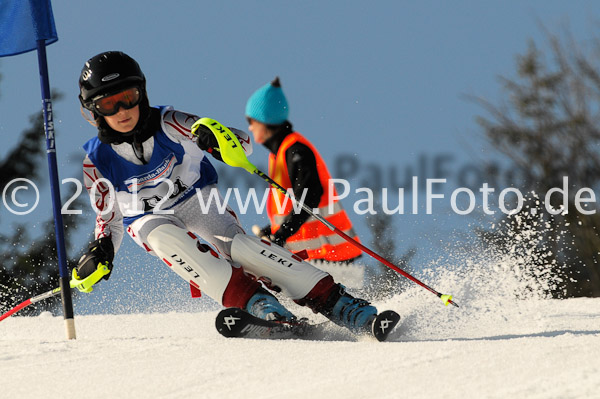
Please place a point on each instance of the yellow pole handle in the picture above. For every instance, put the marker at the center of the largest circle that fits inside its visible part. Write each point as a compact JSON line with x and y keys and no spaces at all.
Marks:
{"x":230,"y":148}
{"x":86,"y":284}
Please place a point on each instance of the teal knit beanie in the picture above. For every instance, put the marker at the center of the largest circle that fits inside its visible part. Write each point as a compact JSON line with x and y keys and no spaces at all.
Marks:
{"x":268,"y":104}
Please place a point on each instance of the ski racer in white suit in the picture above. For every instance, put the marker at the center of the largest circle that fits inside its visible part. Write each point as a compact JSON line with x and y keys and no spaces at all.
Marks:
{"x":147,"y":174}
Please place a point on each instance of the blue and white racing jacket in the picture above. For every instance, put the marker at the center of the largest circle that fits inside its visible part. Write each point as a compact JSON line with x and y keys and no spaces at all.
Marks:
{"x":124,"y":189}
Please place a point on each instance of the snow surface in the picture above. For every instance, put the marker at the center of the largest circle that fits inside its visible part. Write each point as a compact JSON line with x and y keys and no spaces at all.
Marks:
{"x":518,"y":349}
{"x":507,"y":340}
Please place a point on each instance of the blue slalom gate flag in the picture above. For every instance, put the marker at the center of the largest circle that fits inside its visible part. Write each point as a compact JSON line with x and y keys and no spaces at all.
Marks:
{"x":23,"y":23}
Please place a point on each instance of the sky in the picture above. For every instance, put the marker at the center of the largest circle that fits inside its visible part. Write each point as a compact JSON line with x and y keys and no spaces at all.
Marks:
{"x":379,"y":87}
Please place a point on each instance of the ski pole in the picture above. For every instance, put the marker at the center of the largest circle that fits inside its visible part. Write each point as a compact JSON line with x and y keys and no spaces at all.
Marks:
{"x":447,"y":299}
{"x":233,"y":155}
{"x":84,"y":285}
{"x":30,"y":301}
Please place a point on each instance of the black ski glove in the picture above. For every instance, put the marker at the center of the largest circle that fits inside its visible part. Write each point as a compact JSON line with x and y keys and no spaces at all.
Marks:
{"x":278,"y":240}
{"x":265,"y":234}
{"x":207,"y":141}
{"x":99,"y":251}
{"x":206,"y":138}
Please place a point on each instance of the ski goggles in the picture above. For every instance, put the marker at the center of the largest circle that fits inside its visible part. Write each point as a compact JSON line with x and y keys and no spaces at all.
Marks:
{"x":126,"y":99}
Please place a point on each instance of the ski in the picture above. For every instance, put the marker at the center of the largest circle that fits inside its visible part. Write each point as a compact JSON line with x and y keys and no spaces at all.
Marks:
{"x":384,"y":323}
{"x":237,"y":323}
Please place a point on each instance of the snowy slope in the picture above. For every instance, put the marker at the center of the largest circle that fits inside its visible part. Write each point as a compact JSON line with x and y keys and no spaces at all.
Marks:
{"x":533,"y":349}
{"x":505,"y":341}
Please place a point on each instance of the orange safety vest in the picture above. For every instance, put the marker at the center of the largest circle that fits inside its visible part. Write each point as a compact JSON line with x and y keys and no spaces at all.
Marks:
{"x":318,"y":240}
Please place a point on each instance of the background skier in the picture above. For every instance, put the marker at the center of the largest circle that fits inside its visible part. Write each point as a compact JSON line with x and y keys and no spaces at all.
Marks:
{"x":295,"y":163}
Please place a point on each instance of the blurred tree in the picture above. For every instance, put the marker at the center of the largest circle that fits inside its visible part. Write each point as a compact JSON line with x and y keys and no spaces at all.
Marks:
{"x":28,"y":259}
{"x":548,"y":126}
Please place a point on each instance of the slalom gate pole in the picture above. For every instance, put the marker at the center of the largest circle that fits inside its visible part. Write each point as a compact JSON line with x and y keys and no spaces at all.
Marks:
{"x":67,"y":301}
{"x":84,"y":285}
{"x":232,"y":153}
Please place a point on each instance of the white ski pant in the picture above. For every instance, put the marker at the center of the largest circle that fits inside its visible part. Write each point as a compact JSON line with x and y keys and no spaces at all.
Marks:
{"x":168,"y":237}
{"x":213,"y":226}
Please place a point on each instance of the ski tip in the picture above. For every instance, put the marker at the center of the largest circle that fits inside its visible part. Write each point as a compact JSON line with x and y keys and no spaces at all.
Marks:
{"x":384,"y":323}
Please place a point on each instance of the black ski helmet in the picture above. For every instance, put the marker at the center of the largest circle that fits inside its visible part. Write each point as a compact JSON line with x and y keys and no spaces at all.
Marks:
{"x":108,"y":73}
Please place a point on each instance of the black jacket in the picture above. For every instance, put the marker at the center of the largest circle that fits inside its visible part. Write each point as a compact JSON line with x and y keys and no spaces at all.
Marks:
{"x":302,"y":168}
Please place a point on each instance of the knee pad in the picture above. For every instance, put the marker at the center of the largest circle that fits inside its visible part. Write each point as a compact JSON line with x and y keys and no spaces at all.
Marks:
{"x":295,"y":277}
{"x":196,"y":263}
